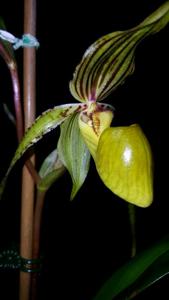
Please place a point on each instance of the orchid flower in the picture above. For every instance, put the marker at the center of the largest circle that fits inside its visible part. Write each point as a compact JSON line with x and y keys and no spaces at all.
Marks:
{"x":122,"y":155}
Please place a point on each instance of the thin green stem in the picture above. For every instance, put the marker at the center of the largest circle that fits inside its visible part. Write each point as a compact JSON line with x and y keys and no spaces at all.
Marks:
{"x":132,"y":220}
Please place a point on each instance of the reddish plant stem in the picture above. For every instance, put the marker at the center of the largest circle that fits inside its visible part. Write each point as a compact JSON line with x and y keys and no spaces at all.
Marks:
{"x":6,"y":56}
{"x":27,"y":206}
{"x":12,"y":66}
{"x":17,"y":103}
{"x":37,"y":222}
{"x":19,"y":117}
{"x":29,"y":248}
{"x":40,"y":198}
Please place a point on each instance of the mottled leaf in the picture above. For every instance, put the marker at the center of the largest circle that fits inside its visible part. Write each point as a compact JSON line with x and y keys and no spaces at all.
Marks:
{"x":48,"y":121}
{"x":107,"y":62}
{"x":73,"y":152}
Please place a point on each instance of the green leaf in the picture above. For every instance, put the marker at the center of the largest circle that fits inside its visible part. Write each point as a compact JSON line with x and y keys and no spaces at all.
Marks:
{"x":51,"y":169}
{"x":125,"y":276}
{"x":158,"y":270}
{"x":48,"y":121}
{"x":73,"y":152}
{"x":107,"y":62}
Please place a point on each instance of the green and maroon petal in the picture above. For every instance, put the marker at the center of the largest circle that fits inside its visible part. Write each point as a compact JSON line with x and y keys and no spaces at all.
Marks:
{"x":106,"y":63}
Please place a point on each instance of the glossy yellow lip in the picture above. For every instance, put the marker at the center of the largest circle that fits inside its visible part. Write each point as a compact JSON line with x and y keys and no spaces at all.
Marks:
{"x":124,"y":163}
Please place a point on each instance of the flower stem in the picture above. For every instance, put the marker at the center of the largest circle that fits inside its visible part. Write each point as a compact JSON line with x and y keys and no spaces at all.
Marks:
{"x":40,"y":198}
{"x":17,"y":100}
{"x":12,"y":66}
{"x":132,"y":219}
{"x":19,"y":117}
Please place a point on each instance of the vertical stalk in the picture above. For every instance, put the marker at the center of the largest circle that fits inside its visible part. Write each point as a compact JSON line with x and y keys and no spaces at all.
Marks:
{"x":19,"y":116}
{"x":132,"y":219}
{"x":27,"y":203}
{"x":12,"y":66}
{"x":36,"y":239}
{"x":17,"y":102}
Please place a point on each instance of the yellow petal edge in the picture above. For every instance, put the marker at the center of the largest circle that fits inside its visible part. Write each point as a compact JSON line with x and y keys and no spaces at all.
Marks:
{"x":124,"y":163}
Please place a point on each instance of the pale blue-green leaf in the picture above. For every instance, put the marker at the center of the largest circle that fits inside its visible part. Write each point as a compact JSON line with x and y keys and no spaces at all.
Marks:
{"x":52,"y":169}
{"x":73,"y":152}
{"x":6,"y":47}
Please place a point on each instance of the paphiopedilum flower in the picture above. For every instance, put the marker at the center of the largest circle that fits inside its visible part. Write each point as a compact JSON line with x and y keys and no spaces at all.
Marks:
{"x":122,"y":154}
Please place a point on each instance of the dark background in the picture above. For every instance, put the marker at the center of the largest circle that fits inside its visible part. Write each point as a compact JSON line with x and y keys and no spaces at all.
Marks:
{"x":85,"y":240}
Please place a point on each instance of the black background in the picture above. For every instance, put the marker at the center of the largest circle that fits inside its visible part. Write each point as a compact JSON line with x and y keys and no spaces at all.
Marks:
{"x":85,"y":240}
